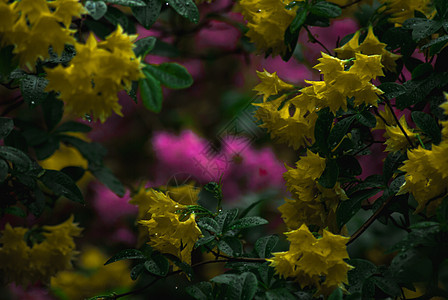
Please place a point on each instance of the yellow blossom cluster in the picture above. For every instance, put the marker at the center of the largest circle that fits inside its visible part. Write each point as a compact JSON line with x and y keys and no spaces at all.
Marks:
{"x":369,"y":46}
{"x":24,"y":264}
{"x":92,"y":276}
{"x":169,"y":232}
{"x":267,"y":21}
{"x":401,"y":10}
{"x":427,"y":173}
{"x":312,"y":204}
{"x":90,"y":83}
{"x":270,"y":84}
{"x":314,"y":261}
{"x":32,"y":26}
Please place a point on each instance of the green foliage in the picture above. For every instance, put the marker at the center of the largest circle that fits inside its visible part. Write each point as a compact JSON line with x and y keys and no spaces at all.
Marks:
{"x":151,"y":92}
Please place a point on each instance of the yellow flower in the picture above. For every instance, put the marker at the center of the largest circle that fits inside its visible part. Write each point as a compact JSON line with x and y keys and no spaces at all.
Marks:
{"x":396,"y":140}
{"x":89,"y":85}
{"x":314,"y":262}
{"x":387,"y":116}
{"x":267,"y":21}
{"x":167,"y":233}
{"x":401,"y":10}
{"x":25,"y":265}
{"x":370,"y":46}
{"x":367,"y":66}
{"x":92,"y":277}
{"x":270,"y":84}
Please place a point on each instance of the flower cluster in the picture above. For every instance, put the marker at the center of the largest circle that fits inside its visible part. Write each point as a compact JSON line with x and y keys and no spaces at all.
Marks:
{"x":267,"y":20}
{"x":32,"y":26}
{"x":170,"y":231}
{"x":312,"y":204}
{"x":90,"y":83}
{"x":25,"y":265}
{"x":314,"y":262}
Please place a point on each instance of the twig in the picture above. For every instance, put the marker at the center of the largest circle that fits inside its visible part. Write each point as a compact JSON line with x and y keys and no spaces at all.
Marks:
{"x":350,"y":4}
{"x":396,"y":120}
{"x":315,"y":40}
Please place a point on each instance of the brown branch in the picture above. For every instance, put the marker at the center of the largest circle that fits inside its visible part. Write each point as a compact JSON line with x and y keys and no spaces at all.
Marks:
{"x":397,"y":121}
{"x":315,"y":40}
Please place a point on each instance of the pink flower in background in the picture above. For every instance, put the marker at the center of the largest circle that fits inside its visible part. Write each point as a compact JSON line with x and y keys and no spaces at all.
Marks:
{"x":109,"y":207}
{"x":31,"y":293}
{"x":291,"y":71}
{"x":218,"y":34}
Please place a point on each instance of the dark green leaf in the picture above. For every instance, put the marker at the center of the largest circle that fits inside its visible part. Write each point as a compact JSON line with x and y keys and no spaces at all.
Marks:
{"x":33,"y":89}
{"x":391,"y":164}
{"x":231,"y":246}
{"x":330,"y":175}
{"x":16,"y":211}
{"x":96,"y":9}
{"x":326,"y":10}
{"x":35,"y":136}
{"x":387,"y":285}
{"x":250,"y":282}
{"x":248,"y":222}
{"x":62,"y":185}
{"x":37,"y":207}
{"x":4,"y":170}
{"x":373,"y":181}
{"x":133,"y":91}
{"x":339,"y":130}
{"x":157,"y":265}
{"x":280,"y":293}
{"x":225,"y":279}
{"x":6,"y":126}
{"x":204,"y":241}
{"x":366,"y":118}
{"x":72,"y":126}
{"x":126,"y":254}
{"x":100,"y":29}
{"x":106,"y":176}
{"x":144,"y":46}
{"x":66,"y":56}
{"x":164,"y":49}
{"x":441,"y":7}
{"x":348,"y":208}
{"x":336,"y":295}
{"x":422,"y":70}
{"x":131,"y":3}
{"x":151,"y":92}
{"x":47,"y":148}
{"x":147,"y":15}
{"x":397,"y":37}
{"x":442,"y":40}
{"x":27,"y":180}
{"x":171,"y":75}
{"x":322,"y":129}
{"x":348,"y":166}
{"x":363,"y":269}
{"x":392,"y":89}
{"x":21,"y":162}
{"x":200,"y":291}
{"x":53,"y":110}
{"x":93,"y":152}
{"x":298,"y":20}
{"x":7,"y":61}
{"x":290,"y":39}
{"x":209,"y":224}
{"x":428,"y":125}
{"x":185,"y":8}
{"x":265,"y":245}
{"x":117,"y":17}
{"x":16,"y":139}
{"x":225,"y":218}
{"x":137,"y":270}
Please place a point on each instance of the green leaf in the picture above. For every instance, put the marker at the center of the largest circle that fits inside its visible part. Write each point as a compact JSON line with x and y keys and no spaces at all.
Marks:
{"x":137,"y":270}
{"x":133,"y":91}
{"x":209,"y":224}
{"x":422,"y":70}
{"x":16,"y":139}
{"x":204,"y":241}
{"x":6,"y":126}
{"x":228,"y":279}
{"x":97,"y":9}
{"x":126,"y":254}
{"x":348,"y":166}
{"x":248,"y":222}
{"x":171,"y":75}
{"x":336,"y":295}
{"x":185,"y":8}
{"x":4,"y":170}
{"x":250,"y":283}
{"x":366,"y":118}
{"x":37,"y":207}
{"x":326,"y":10}
{"x":15,"y":211}
{"x":157,"y":265}
{"x":164,"y":49}
{"x":147,"y":15}
{"x":330,"y":175}
{"x":62,"y":185}
{"x":93,"y":152}
{"x":106,"y":176}
{"x":66,"y":56}
{"x":299,"y":19}
{"x":131,"y":3}
{"x":117,"y":17}
{"x":151,"y":92}
{"x":339,"y":130}
{"x":392,"y":89}
{"x":348,"y":208}
{"x":231,"y":246}
{"x":428,"y":125}
{"x":72,"y":126}
{"x":280,"y":293}
{"x":144,"y":46}
{"x":442,"y":8}
{"x":225,"y":218}
{"x":21,"y":162}
{"x":47,"y":148}
{"x":422,"y":27}
{"x":322,"y":129}
{"x":387,"y":285}
{"x":363,"y":269}
{"x":7,"y":61}
{"x":53,"y":110}
{"x":391,"y":164}
{"x":33,"y":89}
{"x":265,"y":245}
{"x":200,"y":291}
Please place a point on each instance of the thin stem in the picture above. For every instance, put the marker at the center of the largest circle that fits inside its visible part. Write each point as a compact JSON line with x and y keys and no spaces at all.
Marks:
{"x":315,"y":40}
{"x":380,"y":116}
{"x":350,"y":4}
{"x":397,"y":121}
{"x":369,"y":222}
{"x":399,"y":225}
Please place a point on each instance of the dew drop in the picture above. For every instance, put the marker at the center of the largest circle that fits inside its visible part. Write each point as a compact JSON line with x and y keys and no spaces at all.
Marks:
{"x":32,"y":102}
{"x":259,"y":10}
{"x":166,"y":3}
{"x":88,"y":118}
